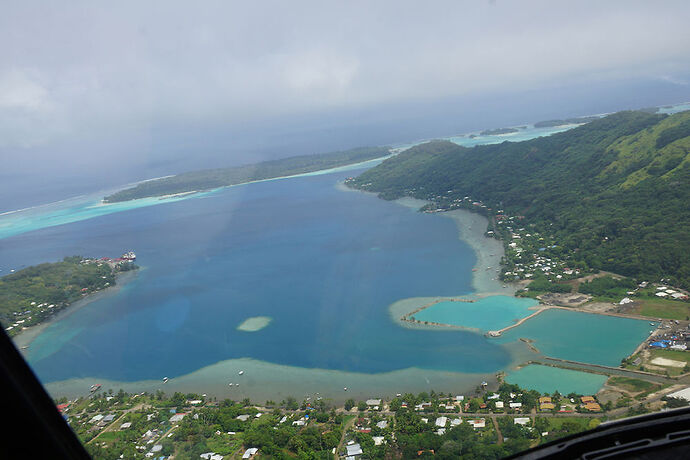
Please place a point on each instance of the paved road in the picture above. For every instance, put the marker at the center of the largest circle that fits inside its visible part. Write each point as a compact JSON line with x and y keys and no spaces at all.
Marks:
{"x":609,"y":370}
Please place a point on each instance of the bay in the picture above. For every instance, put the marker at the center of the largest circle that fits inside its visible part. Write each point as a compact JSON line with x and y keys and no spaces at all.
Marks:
{"x":322,"y":263}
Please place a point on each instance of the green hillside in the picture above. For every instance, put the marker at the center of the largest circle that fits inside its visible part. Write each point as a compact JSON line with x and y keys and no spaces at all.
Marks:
{"x":613,"y":192}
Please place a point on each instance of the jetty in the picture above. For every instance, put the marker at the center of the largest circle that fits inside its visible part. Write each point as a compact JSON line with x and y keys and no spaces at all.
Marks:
{"x":520,"y":321}
{"x":408,"y":317}
{"x":581,"y":310}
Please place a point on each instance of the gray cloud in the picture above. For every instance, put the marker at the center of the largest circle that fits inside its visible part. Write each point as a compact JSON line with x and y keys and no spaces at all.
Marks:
{"x":79,"y":67}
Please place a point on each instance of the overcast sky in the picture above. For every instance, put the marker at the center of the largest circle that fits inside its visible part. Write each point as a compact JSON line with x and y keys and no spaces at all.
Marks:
{"x":137,"y":71}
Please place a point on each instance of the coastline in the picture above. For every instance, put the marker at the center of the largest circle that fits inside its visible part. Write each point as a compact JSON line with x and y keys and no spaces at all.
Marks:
{"x":488,"y":251}
{"x":84,"y":207}
{"x":471,"y":229}
{"x":29,"y":334}
{"x":191,"y":193}
{"x":259,"y":382}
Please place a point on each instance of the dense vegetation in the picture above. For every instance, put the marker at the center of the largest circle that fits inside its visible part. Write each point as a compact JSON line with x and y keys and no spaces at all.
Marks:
{"x":603,"y":191}
{"x":541,"y":285}
{"x":33,"y":294}
{"x":212,"y":178}
{"x":608,"y":287}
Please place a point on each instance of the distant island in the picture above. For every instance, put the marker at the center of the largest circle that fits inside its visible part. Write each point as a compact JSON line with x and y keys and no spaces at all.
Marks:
{"x":565,"y":121}
{"x":208,"y":179}
{"x":497,"y":131}
{"x":609,"y":195}
{"x":35,"y":294}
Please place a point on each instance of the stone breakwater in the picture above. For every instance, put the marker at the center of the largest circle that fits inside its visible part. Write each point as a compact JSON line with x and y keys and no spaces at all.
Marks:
{"x":409,"y":317}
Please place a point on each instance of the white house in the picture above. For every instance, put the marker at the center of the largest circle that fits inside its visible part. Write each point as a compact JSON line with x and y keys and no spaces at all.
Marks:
{"x":477,"y":423}
{"x":177,"y":418}
{"x":354,"y":449}
{"x":249,"y":453}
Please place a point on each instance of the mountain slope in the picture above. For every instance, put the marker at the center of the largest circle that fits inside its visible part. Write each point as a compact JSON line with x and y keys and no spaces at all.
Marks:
{"x":614,"y":192}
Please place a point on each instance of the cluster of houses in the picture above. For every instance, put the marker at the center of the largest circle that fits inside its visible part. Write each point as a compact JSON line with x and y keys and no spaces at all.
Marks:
{"x":24,"y":318}
{"x":442,"y":422}
{"x":588,"y":403}
{"x":667,"y":292}
{"x":662,"y":291}
{"x":539,"y":263}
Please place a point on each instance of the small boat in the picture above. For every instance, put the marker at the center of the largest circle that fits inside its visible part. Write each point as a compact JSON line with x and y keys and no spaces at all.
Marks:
{"x":651,"y":324}
{"x":95,"y":387}
{"x":230,"y":384}
{"x":165,"y":380}
{"x":241,"y":372}
{"x":345,"y":389}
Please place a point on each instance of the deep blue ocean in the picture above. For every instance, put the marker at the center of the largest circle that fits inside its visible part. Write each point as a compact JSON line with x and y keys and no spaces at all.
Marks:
{"x":324,"y":263}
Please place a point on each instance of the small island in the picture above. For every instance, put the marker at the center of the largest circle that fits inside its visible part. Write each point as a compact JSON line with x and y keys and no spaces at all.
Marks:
{"x":497,"y":131}
{"x":564,"y":122}
{"x":35,"y":294}
{"x":209,"y":179}
{"x":255,"y":323}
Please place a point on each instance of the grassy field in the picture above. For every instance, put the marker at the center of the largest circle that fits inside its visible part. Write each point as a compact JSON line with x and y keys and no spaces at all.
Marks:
{"x":661,"y":308}
{"x":631,"y":385}
{"x":668,"y":370}
{"x":109,"y":436}
{"x":224,"y":444}
{"x":555,"y":423}
{"x":675,"y":355}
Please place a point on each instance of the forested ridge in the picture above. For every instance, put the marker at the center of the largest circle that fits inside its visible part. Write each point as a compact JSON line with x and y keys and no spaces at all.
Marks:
{"x":615,"y":192}
{"x":213,"y":178}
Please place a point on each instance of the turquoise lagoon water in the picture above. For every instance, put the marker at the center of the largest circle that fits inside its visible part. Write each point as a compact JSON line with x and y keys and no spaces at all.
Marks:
{"x":485,"y":314}
{"x":547,"y":379}
{"x":584,"y":337}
